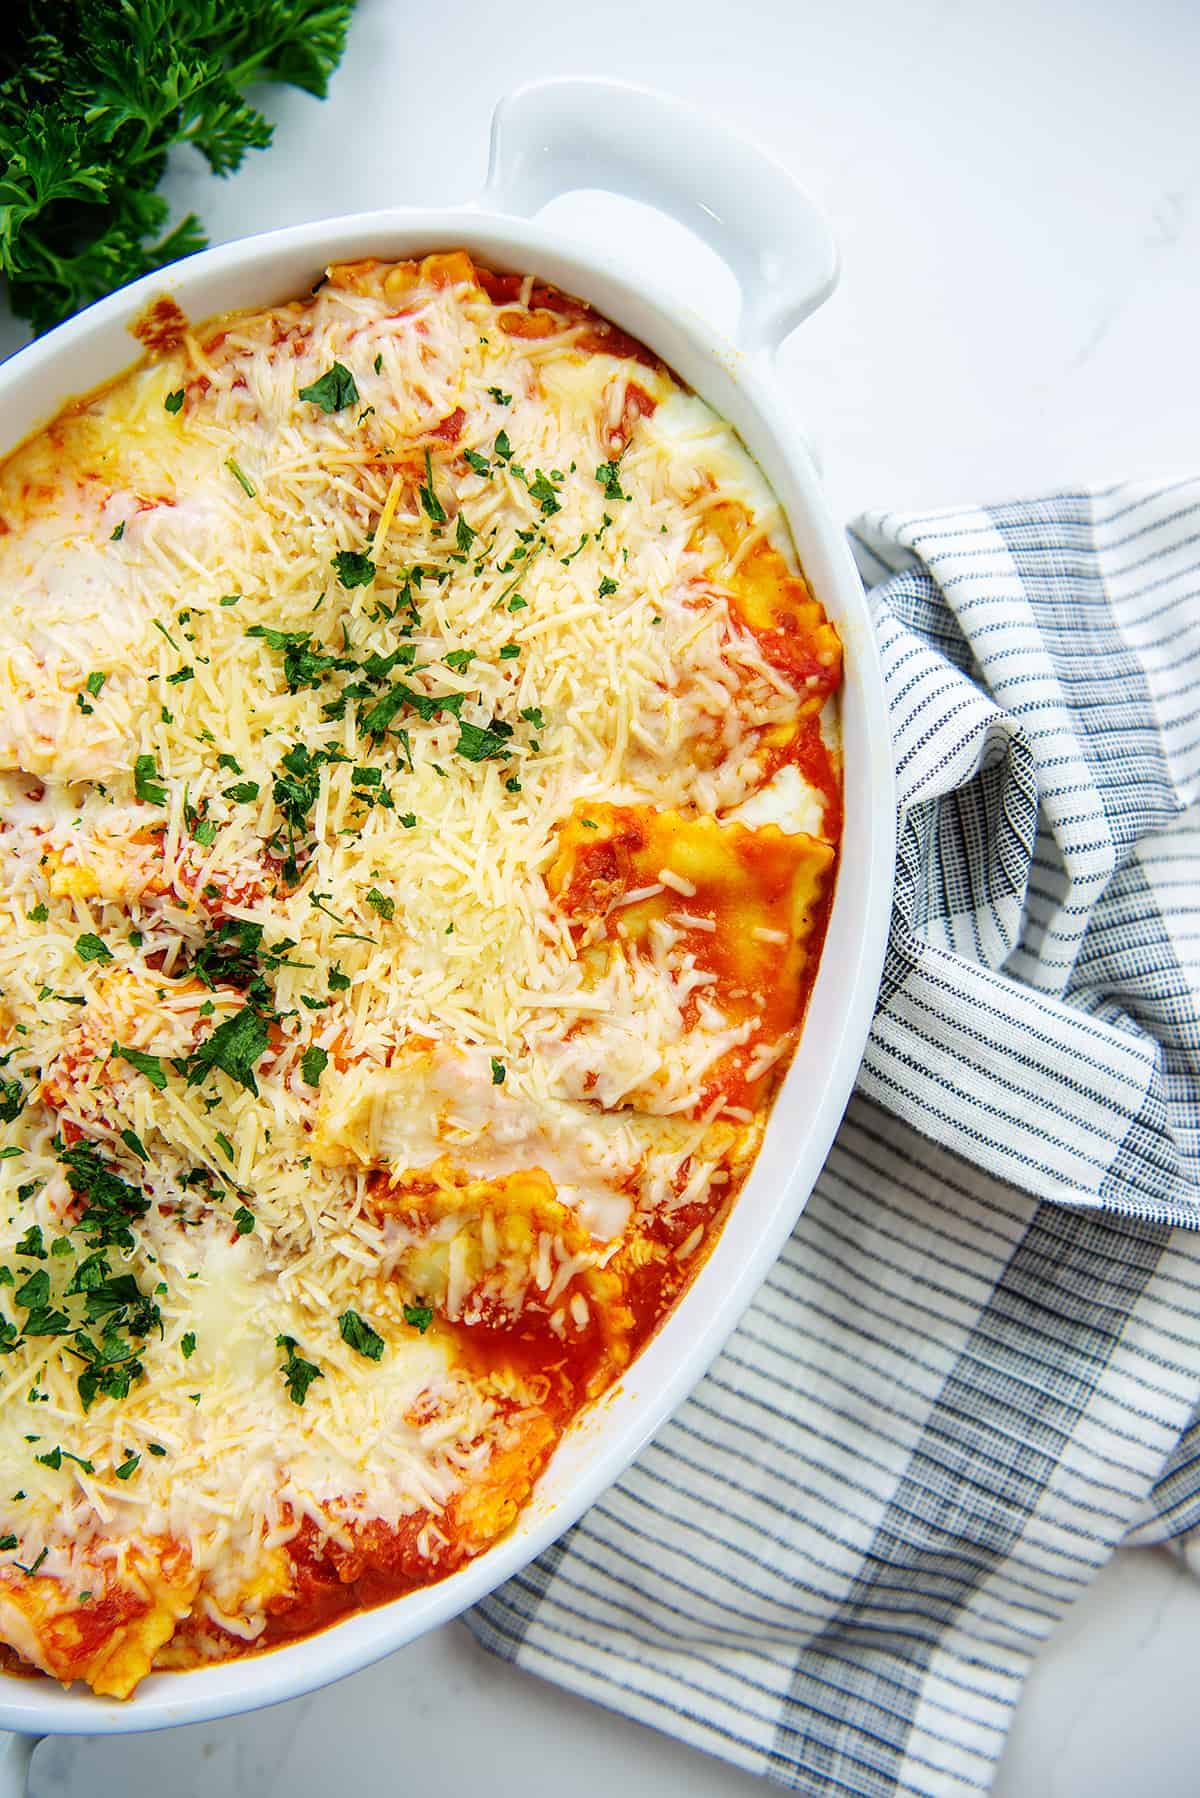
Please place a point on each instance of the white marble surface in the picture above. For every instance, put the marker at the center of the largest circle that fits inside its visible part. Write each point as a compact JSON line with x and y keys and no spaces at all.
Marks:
{"x":1015,"y":188}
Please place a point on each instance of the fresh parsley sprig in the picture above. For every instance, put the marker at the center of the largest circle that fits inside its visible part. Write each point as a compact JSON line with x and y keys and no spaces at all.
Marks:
{"x":93,"y":95}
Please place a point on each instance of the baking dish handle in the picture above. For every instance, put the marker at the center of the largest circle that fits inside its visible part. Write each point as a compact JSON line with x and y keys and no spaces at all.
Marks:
{"x":558,"y":137}
{"x":16,"y":1752}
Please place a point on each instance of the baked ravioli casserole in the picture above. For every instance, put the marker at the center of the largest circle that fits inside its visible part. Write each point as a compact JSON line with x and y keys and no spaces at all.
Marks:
{"x":420,"y":810}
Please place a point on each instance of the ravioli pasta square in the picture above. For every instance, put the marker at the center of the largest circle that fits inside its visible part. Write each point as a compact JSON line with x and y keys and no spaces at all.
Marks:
{"x":421,"y":796}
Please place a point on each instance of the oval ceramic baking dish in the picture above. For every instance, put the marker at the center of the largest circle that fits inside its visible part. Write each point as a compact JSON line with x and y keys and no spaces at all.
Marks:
{"x":548,"y":140}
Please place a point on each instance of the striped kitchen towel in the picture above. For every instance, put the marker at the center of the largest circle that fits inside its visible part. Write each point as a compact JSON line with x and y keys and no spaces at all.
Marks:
{"x":975,"y":1370}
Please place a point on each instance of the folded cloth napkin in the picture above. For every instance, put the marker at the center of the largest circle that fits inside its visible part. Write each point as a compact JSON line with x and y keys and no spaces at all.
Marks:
{"x":975,"y":1370}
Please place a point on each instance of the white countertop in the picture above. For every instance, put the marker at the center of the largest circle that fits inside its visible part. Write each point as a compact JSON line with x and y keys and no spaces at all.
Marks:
{"x":1015,"y":189}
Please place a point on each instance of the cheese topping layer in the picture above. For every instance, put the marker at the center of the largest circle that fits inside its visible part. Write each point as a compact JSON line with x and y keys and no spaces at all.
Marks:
{"x":420,"y":798}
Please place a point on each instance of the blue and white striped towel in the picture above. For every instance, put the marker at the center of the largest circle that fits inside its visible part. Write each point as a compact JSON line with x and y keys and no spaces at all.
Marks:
{"x":975,"y":1370}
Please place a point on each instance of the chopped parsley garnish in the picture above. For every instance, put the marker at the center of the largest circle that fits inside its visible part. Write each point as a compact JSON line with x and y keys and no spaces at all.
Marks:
{"x":430,"y":502}
{"x":31,"y":1246}
{"x":303,"y":665}
{"x":353,"y":569}
{"x":94,"y":682}
{"x":313,"y":1063}
{"x":243,"y":480}
{"x":509,"y":651}
{"x":479,"y":463}
{"x":147,"y":1064}
{"x":147,"y":781}
{"x":339,"y":982}
{"x":378,"y":363}
{"x":532,"y":714}
{"x":607,"y":586}
{"x":498,"y":1072}
{"x":187,"y":1344}
{"x":118,"y":533}
{"x":205,"y":832}
{"x":12,"y":1098}
{"x":409,"y":821}
{"x":459,"y":659}
{"x":501,"y":398}
{"x":357,"y":1332}
{"x":543,"y":492}
{"x":243,"y":1220}
{"x":229,"y":599}
{"x":90,"y":947}
{"x":298,"y":1373}
{"x":186,"y":673}
{"x":243,"y":792}
{"x":7,"y":1542}
{"x":504,"y":447}
{"x":479,"y":743}
{"x":609,"y":476}
{"x":334,"y":390}
{"x":30,"y":1571}
{"x":517,"y":604}
{"x":155,"y":1448}
{"x":418,"y":1317}
{"x":128,"y":1467}
{"x":174,"y":401}
{"x":512,"y":784}
{"x":464,"y":536}
{"x":234,"y":1047}
{"x":110,"y":1204}
{"x":225,"y":1146}
{"x":379,"y":902}
{"x":134,"y":1144}
{"x":39,"y":914}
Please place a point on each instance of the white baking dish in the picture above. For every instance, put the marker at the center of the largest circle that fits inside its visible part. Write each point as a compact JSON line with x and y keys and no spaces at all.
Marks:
{"x":547,"y":140}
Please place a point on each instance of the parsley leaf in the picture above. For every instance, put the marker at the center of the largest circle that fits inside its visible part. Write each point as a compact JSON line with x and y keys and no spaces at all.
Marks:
{"x":150,"y":1065}
{"x":187,"y":1344}
{"x":147,"y":781}
{"x":90,"y":947}
{"x":174,"y":401}
{"x":418,"y":1317}
{"x":353,"y":568}
{"x":380,"y":903}
{"x":479,"y":463}
{"x":313,"y":1063}
{"x":479,"y":744}
{"x":430,"y":502}
{"x":298,"y":1373}
{"x":234,"y":1047}
{"x":335,"y":390}
{"x":12,"y":1098}
{"x":609,"y":476}
{"x":543,"y":492}
{"x":498,"y":1072}
{"x":243,"y":1220}
{"x":357,"y":1332}
{"x":134,"y":1144}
